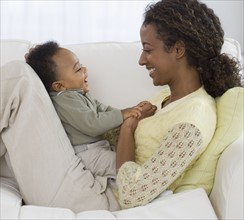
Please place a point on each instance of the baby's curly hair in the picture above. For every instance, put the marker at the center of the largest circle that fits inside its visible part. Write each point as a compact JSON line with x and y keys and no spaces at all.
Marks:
{"x":197,"y":26}
{"x":40,"y":59}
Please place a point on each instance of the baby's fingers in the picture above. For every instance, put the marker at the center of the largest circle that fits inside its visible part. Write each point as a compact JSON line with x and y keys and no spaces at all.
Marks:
{"x":136,"y":112}
{"x":141,"y":104}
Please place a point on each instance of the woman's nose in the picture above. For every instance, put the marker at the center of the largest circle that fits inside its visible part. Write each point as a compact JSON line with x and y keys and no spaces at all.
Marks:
{"x":142,"y":60}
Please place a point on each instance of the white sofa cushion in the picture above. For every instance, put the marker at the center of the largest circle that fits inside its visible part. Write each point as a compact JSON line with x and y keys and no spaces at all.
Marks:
{"x":10,"y":198}
{"x":232,"y":48}
{"x":14,"y":50}
{"x":227,"y":193}
{"x":114,"y":75}
{"x":192,"y":204}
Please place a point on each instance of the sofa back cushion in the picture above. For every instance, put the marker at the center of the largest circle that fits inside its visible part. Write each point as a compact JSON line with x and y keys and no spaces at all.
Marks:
{"x":114,"y":75}
{"x":14,"y":50}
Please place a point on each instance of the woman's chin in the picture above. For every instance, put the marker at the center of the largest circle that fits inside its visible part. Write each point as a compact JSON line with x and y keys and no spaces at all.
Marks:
{"x":155,"y":83}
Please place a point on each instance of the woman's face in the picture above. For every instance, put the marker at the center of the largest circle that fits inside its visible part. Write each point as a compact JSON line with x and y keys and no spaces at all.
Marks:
{"x":160,"y":64}
{"x":71,"y":74}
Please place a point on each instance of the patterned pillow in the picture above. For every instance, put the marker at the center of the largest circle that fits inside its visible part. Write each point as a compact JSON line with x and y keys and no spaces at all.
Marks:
{"x":112,"y":136}
{"x":229,"y":128}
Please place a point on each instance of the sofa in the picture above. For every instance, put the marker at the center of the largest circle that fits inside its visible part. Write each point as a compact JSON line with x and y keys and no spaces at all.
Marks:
{"x":115,"y":78}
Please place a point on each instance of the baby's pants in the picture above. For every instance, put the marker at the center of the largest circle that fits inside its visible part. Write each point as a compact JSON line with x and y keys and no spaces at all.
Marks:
{"x":40,"y":154}
{"x":99,"y":159}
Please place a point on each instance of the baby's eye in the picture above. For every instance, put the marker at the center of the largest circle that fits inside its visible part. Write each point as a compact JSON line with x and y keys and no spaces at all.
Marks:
{"x":78,"y":70}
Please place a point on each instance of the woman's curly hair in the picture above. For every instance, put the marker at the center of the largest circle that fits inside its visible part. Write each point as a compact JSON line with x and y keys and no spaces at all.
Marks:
{"x":40,"y":59}
{"x":197,"y":26}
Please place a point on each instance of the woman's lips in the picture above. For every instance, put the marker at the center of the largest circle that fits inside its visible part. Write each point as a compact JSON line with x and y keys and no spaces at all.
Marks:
{"x":151,"y":71}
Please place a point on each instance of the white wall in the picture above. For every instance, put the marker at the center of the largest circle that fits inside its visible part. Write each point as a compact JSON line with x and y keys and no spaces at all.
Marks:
{"x":72,"y":21}
{"x":102,"y":20}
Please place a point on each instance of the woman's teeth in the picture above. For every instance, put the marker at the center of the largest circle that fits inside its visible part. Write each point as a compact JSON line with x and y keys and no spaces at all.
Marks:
{"x":151,"y":70}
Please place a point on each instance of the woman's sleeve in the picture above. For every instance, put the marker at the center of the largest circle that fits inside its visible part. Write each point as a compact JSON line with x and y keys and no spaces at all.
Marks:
{"x":139,"y":185}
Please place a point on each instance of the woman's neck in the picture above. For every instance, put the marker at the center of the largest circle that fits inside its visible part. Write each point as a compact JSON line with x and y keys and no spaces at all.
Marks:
{"x":183,"y":86}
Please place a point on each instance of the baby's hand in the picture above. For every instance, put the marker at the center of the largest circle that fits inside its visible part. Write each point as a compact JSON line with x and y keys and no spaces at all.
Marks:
{"x":131,"y":112}
{"x":142,"y":110}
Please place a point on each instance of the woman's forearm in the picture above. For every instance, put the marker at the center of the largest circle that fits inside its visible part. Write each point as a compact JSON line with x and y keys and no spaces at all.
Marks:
{"x":126,"y":143}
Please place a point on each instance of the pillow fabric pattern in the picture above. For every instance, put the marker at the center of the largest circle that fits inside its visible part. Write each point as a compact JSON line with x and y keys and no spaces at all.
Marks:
{"x":112,"y":136}
{"x":228,"y":129}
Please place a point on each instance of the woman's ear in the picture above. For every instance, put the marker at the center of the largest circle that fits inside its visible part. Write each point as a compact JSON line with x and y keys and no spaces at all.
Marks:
{"x":58,"y":86}
{"x":180,"y":49}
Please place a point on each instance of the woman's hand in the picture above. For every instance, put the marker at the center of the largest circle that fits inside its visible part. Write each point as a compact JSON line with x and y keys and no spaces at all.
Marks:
{"x":147,"y":109}
{"x":142,"y":110}
{"x":130,"y":124}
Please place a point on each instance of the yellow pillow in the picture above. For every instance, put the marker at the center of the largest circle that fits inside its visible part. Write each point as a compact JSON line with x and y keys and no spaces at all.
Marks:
{"x":229,"y":128}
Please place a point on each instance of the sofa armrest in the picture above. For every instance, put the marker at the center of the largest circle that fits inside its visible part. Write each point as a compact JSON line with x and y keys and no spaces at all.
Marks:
{"x":227,"y":194}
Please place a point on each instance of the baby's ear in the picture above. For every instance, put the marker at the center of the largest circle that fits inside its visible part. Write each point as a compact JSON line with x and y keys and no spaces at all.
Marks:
{"x":58,"y":86}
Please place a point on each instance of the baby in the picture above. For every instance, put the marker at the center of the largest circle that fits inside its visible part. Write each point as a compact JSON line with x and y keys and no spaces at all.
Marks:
{"x":84,"y":118}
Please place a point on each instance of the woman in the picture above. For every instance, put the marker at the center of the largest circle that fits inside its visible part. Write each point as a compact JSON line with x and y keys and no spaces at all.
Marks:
{"x":182,"y":43}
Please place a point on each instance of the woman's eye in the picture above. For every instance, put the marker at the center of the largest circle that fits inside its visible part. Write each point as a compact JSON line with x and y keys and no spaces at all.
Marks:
{"x":146,"y":50}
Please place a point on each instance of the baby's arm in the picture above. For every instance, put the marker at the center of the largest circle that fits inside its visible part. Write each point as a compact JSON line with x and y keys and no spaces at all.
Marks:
{"x":131,"y":112}
{"x":137,"y":110}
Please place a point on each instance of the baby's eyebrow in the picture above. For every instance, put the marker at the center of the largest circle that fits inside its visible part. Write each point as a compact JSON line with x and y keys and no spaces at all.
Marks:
{"x":77,"y":63}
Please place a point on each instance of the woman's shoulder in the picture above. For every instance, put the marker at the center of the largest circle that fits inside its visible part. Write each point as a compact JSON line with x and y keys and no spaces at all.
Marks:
{"x":197,"y":101}
{"x":201,"y":97}
{"x":160,"y":95}
{"x":199,"y":105}
{"x":200,"y":110}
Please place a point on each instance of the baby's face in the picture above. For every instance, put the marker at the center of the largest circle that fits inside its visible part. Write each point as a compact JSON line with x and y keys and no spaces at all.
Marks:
{"x":71,"y":74}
